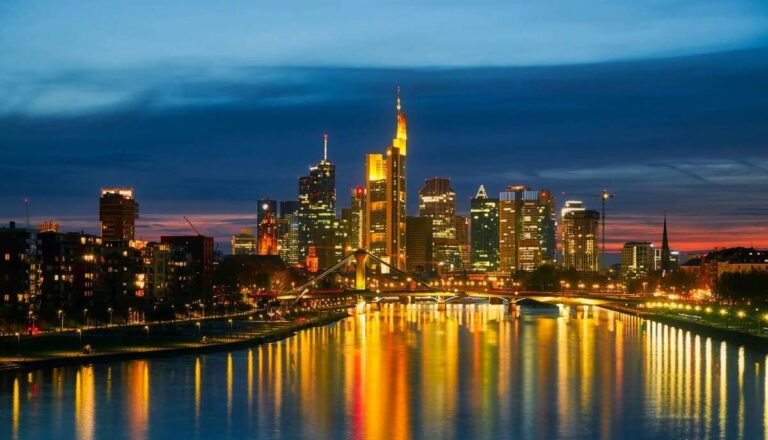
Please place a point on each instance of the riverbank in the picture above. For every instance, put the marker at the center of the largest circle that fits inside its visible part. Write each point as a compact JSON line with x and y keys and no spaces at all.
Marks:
{"x":728,"y":334}
{"x":110,"y":345}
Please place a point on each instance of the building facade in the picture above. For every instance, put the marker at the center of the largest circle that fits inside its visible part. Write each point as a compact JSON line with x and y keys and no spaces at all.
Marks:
{"x":385,"y":203}
{"x":118,"y":211}
{"x":484,"y":236}
{"x":419,"y":245}
{"x":317,"y":212}
{"x":437,"y":200}
{"x":637,"y":259}
{"x":526,"y":229}
{"x":579,"y":235}
{"x":244,"y":243}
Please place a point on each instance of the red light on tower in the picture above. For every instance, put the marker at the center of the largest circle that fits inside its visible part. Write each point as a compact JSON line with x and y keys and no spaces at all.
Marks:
{"x":360,"y":192}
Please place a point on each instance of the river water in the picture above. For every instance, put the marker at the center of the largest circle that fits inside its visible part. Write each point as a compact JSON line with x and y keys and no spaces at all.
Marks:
{"x":412,"y":372}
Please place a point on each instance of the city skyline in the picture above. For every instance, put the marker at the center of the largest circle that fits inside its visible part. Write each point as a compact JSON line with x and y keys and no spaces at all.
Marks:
{"x":677,"y":131}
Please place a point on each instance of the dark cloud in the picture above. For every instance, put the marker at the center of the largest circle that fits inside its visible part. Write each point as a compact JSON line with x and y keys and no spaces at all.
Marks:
{"x":678,"y":135}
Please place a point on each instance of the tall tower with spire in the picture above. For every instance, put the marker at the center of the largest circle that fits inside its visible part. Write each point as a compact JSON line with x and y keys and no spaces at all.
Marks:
{"x":385,"y":206}
{"x":317,"y":212}
{"x":484,"y":235}
{"x":666,"y":264}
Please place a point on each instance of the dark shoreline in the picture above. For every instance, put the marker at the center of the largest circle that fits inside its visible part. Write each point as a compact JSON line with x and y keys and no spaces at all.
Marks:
{"x":753,"y":342}
{"x":21,"y":366}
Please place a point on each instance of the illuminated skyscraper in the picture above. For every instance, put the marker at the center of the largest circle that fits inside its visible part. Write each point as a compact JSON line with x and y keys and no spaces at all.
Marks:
{"x":437,"y":200}
{"x":579,"y":231}
{"x":462,"y":240}
{"x":288,"y":227}
{"x":118,"y":212}
{"x":353,"y":220}
{"x":317,"y":212}
{"x":484,"y":224}
{"x":385,"y":203}
{"x":526,"y":229}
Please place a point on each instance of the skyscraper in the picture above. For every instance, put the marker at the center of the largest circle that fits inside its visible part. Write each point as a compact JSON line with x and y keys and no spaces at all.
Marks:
{"x":526,"y":229}
{"x":437,"y":200}
{"x":579,"y":231}
{"x":118,"y":212}
{"x":462,"y":240}
{"x":385,"y":204}
{"x":352,"y":220}
{"x":419,"y":245}
{"x":484,"y":225}
{"x":317,"y":212}
{"x":288,"y":232}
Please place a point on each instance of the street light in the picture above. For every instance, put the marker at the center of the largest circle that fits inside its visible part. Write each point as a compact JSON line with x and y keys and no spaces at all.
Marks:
{"x":199,"y":331}
{"x":230,"y":325}
{"x":109,"y":310}
{"x":18,"y":344}
{"x":61,"y":318}
{"x":80,"y":334}
{"x":146,"y":329}
{"x":85,"y":317}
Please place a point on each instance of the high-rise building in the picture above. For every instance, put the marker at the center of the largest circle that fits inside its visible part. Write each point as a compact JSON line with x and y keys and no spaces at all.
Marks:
{"x":72,"y":269}
{"x":244,"y":243}
{"x":526,"y":229}
{"x":118,"y":211}
{"x":288,"y":226}
{"x":317,"y":212}
{"x":637,"y":259}
{"x":419,"y":245}
{"x":484,"y":224}
{"x":437,"y":200}
{"x":579,"y":232}
{"x":462,"y":240}
{"x":385,"y":203}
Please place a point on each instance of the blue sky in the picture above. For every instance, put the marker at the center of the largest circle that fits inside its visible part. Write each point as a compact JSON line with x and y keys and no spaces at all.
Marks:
{"x":206,"y":107}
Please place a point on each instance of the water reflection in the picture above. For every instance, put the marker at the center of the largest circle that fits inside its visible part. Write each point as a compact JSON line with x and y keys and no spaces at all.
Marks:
{"x":413,"y":373}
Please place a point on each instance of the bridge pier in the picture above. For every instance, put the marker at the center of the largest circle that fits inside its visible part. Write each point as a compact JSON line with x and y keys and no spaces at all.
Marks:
{"x":442,"y":306}
{"x":361,"y":257}
{"x":375,"y":305}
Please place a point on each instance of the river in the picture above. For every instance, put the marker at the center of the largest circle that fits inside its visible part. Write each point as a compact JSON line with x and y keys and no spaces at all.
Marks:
{"x":413,"y":372}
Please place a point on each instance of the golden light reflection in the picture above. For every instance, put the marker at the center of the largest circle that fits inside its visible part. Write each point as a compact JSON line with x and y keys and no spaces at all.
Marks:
{"x":84,"y":403}
{"x":137,"y":397}
{"x":15,"y":408}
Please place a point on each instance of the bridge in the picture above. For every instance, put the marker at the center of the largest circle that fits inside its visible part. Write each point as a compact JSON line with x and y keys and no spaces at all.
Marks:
{"x":419,"y":290}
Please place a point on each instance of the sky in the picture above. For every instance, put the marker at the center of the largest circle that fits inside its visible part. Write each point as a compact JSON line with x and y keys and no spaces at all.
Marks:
{"x":206,"y":107}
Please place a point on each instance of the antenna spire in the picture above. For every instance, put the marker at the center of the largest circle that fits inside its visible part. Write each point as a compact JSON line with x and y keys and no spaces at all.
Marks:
{"x":398,"y":99}
{"x":325,"y":146}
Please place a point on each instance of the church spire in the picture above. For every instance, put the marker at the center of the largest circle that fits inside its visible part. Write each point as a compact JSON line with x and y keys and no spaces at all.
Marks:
{"x":665,"y":253}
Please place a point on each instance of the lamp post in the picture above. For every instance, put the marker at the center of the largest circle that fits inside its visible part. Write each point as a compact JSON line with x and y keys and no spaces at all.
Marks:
{"x":146,"y":329}
{"x":18,"y":344}
{"x":85,"y":317}
{"x":109,"y":310}
{"x":61,"y":319}
{"x":199,"y":331}
{"x":80,"y":334}
{"x":230,"y":326}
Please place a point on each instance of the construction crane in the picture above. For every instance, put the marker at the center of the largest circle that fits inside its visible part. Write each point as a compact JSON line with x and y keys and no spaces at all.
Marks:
{"x":192,"y":226}
{"x":604,"y":197}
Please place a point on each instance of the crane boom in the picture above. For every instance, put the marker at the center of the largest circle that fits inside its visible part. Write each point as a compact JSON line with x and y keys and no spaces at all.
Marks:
{"x":192,"y":226}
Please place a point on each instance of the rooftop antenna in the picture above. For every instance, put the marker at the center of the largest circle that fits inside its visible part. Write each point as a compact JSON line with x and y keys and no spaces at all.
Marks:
{"x":26,"y":208}
{"x":325,"y":147}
